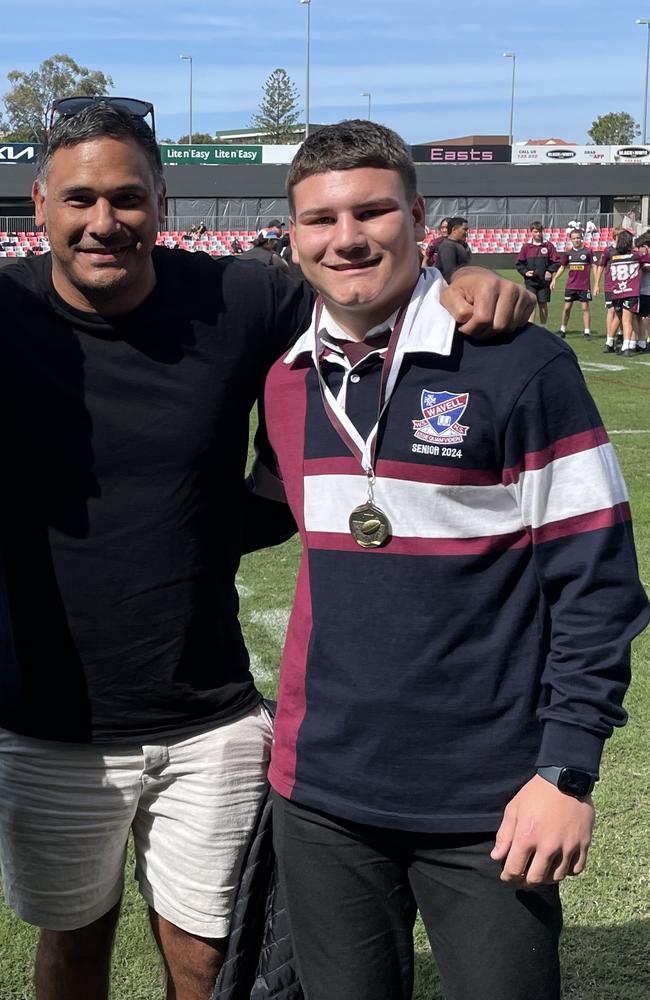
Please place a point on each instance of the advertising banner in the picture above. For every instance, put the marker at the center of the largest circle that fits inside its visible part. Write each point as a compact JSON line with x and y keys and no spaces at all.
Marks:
{"x":210,"y":155}
{"x":19,"y":152}
{"x":561,"y":154}
{"x":461,"y":154}
{"x":630,"y":154}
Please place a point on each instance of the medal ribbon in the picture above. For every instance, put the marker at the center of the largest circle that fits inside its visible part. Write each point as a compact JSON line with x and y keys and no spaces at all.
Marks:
{"x":363,"y":450}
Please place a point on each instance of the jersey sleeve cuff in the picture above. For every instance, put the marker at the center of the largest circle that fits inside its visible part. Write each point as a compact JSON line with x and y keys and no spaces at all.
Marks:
{"x":569,"y":746}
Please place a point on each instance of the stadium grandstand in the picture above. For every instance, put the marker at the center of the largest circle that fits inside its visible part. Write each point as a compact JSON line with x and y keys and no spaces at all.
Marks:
{"x":218,"y":242}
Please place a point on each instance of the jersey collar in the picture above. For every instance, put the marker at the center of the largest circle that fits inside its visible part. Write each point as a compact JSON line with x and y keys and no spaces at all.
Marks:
{"x":431,"y":332}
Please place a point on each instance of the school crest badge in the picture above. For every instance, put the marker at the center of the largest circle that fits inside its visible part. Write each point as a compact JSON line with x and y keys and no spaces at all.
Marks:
{"x":441,"y":411}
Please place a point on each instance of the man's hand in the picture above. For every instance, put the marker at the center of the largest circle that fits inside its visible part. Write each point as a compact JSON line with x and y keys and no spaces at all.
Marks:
{"x":544,"y":835}
{"x":530,"y":274}
{"x":548,"y":275}
{"x":553,"y":285}
{"x":596,"y":290}
{"x":482,"y":302}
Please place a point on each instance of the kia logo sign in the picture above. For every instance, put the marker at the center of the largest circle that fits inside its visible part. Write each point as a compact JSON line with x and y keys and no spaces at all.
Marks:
{"x":561,"y":154}
{"x":632,"y":152}
{"x":20,"y":151}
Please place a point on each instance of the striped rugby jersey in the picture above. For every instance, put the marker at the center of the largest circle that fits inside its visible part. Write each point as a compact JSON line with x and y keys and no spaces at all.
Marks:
{"x":422,"y":682}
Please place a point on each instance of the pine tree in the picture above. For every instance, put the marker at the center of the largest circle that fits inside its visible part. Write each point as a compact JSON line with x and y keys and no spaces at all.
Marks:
{"x":277,"y":114}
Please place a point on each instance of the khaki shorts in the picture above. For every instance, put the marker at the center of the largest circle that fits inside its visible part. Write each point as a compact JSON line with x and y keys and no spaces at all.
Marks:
{"x":66,"y":811}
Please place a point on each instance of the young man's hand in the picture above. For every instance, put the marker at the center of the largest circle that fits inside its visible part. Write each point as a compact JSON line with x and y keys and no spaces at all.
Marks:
{"x":482,"y":302}
{"x":544,"y":835}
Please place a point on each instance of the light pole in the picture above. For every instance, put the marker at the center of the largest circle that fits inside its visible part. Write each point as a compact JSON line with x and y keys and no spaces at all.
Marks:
{"x":645,"y":21}
{"x":308,"y":4}
{"x":366,"y":93}
{"x":513,"y":56}
{"x":189,"y":59}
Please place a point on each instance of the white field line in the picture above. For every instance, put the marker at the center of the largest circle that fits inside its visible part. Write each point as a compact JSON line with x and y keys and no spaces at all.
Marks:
{"x":596,"y":366}
{"x":645,"y":431}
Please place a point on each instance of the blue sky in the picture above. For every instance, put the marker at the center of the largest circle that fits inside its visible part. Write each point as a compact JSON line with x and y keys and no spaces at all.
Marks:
{"x":434,"y":69}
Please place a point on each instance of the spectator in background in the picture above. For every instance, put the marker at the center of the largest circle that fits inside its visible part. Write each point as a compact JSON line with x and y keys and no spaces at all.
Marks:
{"x":431,"y":252}
{"x":264,"y":249}
{"x":590,"y":228}
{"x":201,"y":229}
{"x":537,"y":261}
{"x":578,"y":287}
{"x":278,"y":226}
{"x":235,"y":246}
{"x":453,"y":251}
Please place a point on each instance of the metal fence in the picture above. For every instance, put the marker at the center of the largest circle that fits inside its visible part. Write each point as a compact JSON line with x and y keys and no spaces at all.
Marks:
{"x":253,"y":223}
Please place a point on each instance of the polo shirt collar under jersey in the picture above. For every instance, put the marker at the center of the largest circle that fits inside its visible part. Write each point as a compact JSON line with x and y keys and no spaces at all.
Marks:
{"x":431,"y":330}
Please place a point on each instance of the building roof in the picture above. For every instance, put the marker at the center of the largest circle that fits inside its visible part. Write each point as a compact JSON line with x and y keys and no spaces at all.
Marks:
{"x":469,"y":140}
{"x":548,"y":142}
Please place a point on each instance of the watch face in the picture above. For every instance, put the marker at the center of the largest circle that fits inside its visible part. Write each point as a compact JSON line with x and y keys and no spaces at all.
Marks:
{"x":575,"y":782}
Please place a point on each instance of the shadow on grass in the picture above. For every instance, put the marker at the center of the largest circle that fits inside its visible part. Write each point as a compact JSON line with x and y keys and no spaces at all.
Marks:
{"x":598,"y":963}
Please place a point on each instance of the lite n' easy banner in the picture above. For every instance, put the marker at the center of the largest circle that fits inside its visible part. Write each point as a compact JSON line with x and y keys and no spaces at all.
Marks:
{"x":210,"y":155}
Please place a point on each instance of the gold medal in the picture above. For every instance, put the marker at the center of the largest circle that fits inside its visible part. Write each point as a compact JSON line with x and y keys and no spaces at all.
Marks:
{"x":369,"y":526}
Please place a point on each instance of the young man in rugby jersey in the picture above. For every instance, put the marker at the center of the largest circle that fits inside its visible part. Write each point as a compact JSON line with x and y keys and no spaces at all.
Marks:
{"x":623,"y":269}
{"x":612,"y":321}
{"x":643,"y":243}
{"x":578,"y":287}
{"x":537,"y":261}
{"x":459,"y":644}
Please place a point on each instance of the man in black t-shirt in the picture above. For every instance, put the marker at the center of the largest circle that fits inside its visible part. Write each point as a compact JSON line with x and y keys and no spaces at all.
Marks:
{"x":454,"y":252}
{"x":127,"y":374}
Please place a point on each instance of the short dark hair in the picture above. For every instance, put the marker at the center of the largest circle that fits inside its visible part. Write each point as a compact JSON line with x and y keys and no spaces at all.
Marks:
{"x":644,"y":239}
{"x":536,"y":225}
{"x":456,"y":220}
{"x":624,"y":240}
{"x":578,"y":231}
{"x":99,"y":121}
{"x":349,"y":145}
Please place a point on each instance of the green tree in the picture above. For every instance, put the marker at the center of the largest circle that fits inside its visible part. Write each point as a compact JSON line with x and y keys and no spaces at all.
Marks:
{"x":29,"y":101}
{"x":277,"y":114}
{"x":200,"y":138}
{"x":618,"y":128}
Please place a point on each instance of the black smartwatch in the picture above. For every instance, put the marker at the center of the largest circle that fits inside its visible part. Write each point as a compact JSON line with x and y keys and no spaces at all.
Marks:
{"x":569,"y":780}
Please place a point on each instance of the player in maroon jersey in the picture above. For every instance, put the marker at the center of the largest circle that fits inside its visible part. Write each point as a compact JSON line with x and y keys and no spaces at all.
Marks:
{"x":537,"y":261}
{"x":431,"y":253}
{"x":612,"y":321}
{"x":624,"y":269}
{"x":643,"y":243}
{"x":578,"y":287}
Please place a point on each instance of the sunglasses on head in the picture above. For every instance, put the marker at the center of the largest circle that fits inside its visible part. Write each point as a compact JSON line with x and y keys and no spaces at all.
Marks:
{"x":66,"y":107}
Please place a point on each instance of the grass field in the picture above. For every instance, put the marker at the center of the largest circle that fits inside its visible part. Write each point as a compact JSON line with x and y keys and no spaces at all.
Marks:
{"x":607,"y":911}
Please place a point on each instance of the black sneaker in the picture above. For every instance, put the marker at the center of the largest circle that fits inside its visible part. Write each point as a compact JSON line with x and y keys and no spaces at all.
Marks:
{"x":627,"y":354}
{"x":642,"y":350}
{"x":561,"y":334}
{"x":587,"y":336}
{"x":609,"y":349}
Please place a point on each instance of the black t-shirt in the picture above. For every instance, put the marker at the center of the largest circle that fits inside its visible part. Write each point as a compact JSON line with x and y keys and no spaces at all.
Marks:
{"x":122,"y":505}
{"x":452,"y":254}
